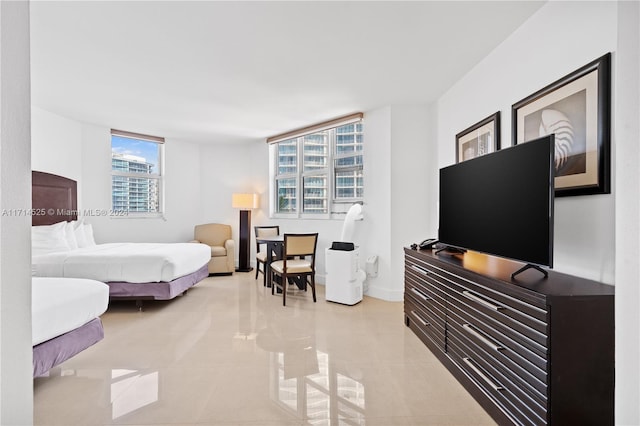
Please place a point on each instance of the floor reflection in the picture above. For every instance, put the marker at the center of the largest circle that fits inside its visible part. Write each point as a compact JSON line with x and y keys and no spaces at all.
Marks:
{"x":313,"y":390}
{"x":126,"y":390}
{"x":131,"y":390}
{"x":302,"y":380}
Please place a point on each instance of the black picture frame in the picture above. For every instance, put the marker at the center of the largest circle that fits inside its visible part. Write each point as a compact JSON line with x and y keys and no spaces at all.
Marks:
{"x":479,"y":139}
{"x":577,"y":108}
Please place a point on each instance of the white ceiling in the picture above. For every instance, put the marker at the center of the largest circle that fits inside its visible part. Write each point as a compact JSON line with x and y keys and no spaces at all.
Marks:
{"x":210,"y":71}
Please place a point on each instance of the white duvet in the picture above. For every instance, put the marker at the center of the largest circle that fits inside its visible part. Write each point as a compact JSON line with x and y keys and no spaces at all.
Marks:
{"x":128,"y":262}
{"x":59,"y":305}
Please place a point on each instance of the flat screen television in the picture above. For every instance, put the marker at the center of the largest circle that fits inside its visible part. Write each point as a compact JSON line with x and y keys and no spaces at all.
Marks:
{"x":502,"y":203}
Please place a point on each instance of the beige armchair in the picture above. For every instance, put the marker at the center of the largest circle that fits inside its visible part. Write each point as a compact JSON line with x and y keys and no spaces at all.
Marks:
{"x":218,"y":236}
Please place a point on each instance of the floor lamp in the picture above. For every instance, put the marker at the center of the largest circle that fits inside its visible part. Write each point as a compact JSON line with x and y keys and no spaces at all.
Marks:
{"x":244,"y":202}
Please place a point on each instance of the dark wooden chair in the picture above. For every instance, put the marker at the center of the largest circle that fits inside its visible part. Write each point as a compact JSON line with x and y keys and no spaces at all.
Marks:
{"x":261,"y":255}
{"x":298,"y":264}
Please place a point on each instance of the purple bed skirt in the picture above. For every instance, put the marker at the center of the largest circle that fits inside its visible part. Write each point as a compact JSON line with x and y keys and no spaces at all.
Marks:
{"x":156,"y":291}
{"x":47,"y":355}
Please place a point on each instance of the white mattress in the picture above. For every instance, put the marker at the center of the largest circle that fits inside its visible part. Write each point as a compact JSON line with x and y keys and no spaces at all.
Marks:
{"x":128,"y":262}
{"x":59,"y":305}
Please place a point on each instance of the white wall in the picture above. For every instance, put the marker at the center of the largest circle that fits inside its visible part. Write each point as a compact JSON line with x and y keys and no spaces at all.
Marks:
{"x":56,"y":145}
{"x":227,"y":169}
{"x":376,"y":230}
{"x":16,"y":369}
{"x":559,"y":38}
{"x":412,"y":133}
{"x":183,"y":189}
{"x":627,"y":216}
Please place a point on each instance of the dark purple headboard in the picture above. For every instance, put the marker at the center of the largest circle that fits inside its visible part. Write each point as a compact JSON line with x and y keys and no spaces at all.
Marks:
{"x":54,"y":198}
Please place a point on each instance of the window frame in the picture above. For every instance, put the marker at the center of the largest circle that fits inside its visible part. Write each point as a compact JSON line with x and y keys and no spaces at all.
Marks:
{"x":158,"y":177}
{"x":334,"y":209}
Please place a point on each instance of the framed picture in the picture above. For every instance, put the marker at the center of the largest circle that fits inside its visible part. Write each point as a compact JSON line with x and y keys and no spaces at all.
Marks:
{"x":479,"y":139}
{"x":577,"y":109}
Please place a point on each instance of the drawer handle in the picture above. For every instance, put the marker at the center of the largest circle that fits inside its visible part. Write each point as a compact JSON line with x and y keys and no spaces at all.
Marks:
{"x":419,"y":270}
{"x":420,"y":295}
{"x":482,"y":375}
{"x":475,"y":298}
{"x":423,"y":322}
{"x":480,"y":337}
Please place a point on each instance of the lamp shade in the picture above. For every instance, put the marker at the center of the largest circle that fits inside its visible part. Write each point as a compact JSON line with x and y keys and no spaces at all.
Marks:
{"x":245,"y":201}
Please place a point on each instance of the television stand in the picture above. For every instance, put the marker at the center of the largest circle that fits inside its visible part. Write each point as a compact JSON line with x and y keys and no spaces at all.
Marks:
{"x":450,"y":250}
{"x":529,"y":266}
{"x":530,"y":351}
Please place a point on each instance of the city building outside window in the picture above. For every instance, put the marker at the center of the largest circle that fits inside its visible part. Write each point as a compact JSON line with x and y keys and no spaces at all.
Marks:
{"x":320,"y":171}
{"x":136,"y":174}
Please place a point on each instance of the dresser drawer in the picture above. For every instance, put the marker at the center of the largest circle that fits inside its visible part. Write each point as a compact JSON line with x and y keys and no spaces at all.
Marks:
{"x":532,"y":314}
{"x":425,"y":290}
{"x":528,"y":343}
{"x":424,"y":322}
{"x":427,"y":302}
{"x":521,"y":407}
{"x":475,"y":298}
{"x":527,"y":377}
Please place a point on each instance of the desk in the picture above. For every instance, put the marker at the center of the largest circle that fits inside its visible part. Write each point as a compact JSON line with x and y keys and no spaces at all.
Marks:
{"x":275,"y":244}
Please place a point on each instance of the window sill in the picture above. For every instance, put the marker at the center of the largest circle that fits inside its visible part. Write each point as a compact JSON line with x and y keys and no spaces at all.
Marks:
{"x":126,"y":215}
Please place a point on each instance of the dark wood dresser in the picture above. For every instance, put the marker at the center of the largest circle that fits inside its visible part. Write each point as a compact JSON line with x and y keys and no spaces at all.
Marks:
{"x":531,"y":351}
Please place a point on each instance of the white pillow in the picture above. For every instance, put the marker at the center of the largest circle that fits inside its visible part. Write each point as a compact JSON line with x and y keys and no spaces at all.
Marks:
{"x":88,"y":234}
{"x":48,"y":239}
{"x":70,"y":234}
{"x":81,"y":239}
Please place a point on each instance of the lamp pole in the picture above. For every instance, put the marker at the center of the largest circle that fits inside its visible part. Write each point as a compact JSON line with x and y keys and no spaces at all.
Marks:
{"x":245,"y":236}
{"x":245,"y":202}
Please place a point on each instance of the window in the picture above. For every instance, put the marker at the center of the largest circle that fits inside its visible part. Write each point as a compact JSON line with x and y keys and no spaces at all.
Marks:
{"x":318,"y":170}
{"x":136,"y":174}
{"x":348,"y":162}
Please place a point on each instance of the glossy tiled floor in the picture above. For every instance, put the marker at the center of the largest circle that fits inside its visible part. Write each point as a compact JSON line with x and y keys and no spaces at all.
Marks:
{"x":229,"y":353}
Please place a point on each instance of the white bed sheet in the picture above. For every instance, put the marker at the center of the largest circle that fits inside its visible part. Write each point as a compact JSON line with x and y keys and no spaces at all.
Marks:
{"x":128,"y":262}
{"x":59,"y":305}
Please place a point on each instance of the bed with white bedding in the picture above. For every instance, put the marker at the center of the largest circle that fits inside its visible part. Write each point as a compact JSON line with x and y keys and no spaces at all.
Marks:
{"x":143,"y":270}
{"x":130,"y":262}
{"x":65,"y":319}
{"x":62,"y":246}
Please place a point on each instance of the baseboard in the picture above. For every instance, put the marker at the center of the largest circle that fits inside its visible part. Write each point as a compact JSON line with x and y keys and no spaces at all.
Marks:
{"x":385,"y":294}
